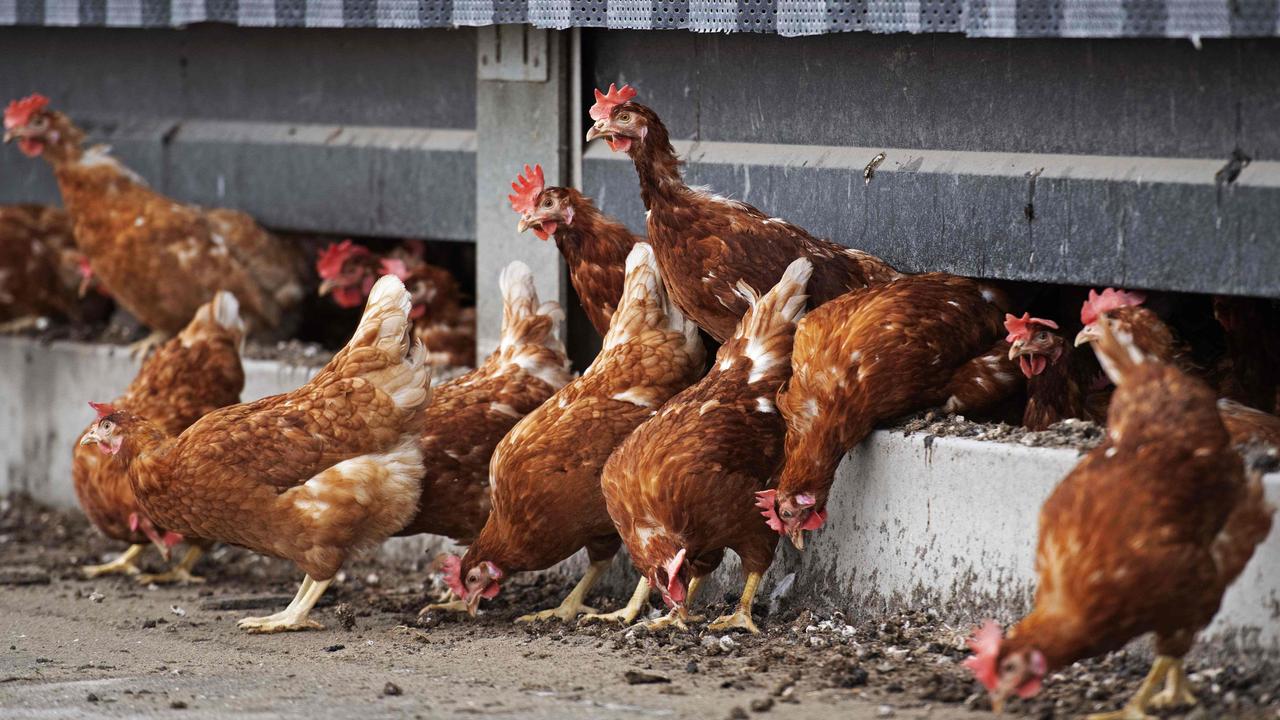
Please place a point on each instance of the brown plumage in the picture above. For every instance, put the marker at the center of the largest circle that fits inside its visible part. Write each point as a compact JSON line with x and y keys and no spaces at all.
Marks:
{"x":705,"y":243}
{"x":866,"y":357}
{"x":1154,"y":338}
{"x":471,"y":413}
{"x":188,"y":377}
{"x":1060,"y":377}
{"x":312,"y":475}
{"x":159,"y":258}
{"x":1144,"y":536}
{"x":547,"y":502}
{"x":1250,"y":368}
{"x":38,"y":262}
{"x":682,"y":488}
{"x":594,"y":245}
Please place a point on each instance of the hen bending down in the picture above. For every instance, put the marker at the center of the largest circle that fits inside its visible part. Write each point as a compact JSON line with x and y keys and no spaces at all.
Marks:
{"x":312,"y":475}
{"x":160,"y":259}
{"x":1143,"y":536}
{"x":547,"y":502}
{"x":470,"y":414}
{"x":706,"y":244}
{"x":869,"y":356}
{"x":682,"y":487}
{"x":188,"y":377}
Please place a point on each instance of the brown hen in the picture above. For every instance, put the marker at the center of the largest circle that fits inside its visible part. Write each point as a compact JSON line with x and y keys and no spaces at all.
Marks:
{"x":681,"y":488}
{"x":866,"y":357}
{"x":1143,"y":536}
{"x":312,"y":475}
{"x":593,"y":245}
{"x":706,"y":244}
{"x":471,"y":413}
{"x":547,"y":502}
{"x":188,"y":377}
{"x":1060,"y":378}
{"x":159,"y":258}
{"x":38,"y":263}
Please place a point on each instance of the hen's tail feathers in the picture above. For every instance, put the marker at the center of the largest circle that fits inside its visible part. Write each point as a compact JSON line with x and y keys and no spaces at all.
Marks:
{"x":1250,"y":521}
{"x":646,"y":304}
{"x":220,"y":317}
{"x":384,"y":349}
{"x":525,"y":321}
{"x":1117,"y":353}
{"x":1249,"y":426}
{"x":781,"y":307}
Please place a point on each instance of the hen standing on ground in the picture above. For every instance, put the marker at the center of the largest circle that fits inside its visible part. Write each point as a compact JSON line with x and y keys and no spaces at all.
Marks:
{"x":311,"y":476}
{"x":681,"y":488}
{"x":594,"y":245}
{"x":866,"y":357}
{"x":707,"y":244}
{"x":160,"y":259}
{"x":1144,"y":536}
{"x":186,"y":378}
{"x":547,"y":502}
{"x":472,"y":413}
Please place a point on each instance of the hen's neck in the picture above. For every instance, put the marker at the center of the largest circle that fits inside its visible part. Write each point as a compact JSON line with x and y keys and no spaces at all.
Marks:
{"x":594,"y":238}
{"x":1060,"y":639}
{"x":1057,"y":388}
{"x":813,"y":455}
{"x":658,"y":167}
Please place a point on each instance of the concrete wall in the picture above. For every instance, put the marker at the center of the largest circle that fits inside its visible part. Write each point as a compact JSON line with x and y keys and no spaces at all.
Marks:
{"x":942,"y":523}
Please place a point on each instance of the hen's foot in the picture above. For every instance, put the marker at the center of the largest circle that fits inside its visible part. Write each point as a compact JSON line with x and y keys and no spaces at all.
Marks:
{"x":122,"y":565}
{"x":143,"y":347}
{"x":739,"y":620}
{"x":1177,"y":690}
{"x":567,"y":612}
{"x":626,"y":615}
{"x":674,"y":620}
{"x":458,"y":606}
{"x":1128,"y":712}
{"x":294,"y":617}
{"x":1136,"y":708}
{"x":172,"y":576}
{"x":18,"y":325}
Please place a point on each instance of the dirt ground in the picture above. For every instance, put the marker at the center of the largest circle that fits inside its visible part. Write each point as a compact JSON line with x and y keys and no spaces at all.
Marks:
{"x":111,"y":648}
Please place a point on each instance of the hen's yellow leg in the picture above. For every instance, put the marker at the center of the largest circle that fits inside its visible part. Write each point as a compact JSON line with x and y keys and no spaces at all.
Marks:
{"x":626,"y":615}
{"x":179,"y":573}
{"x":122,"y":565}
{"x":741,"y":617}
{"x":18,"y":325}
{"x":572,"y":605}
{"x":1136,"y":708}
{"x":453,"y":604}
{"x":293,"y":617}
{"x":1177,"y":690}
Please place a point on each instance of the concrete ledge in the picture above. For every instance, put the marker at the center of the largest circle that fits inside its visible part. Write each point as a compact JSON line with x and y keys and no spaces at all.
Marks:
{"x":942,"y":523}
{"x":1157,"y":223}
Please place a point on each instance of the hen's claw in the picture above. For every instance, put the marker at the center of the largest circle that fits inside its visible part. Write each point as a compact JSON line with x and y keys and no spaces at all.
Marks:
{"x":739,"y":620}
{"x":674,"y":619}
{"x":293,"y":617}
{"x":122,"y":565}
{"x":455,"y":605}
{"x":1177,"y":691}
{"x":1136,"y":709}
{"x":626,"y":615}
{"x":567,"y":612}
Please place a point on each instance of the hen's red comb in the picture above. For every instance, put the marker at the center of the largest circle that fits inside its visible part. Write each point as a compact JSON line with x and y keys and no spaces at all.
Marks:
{"x":19,"y":112}
{"x":395,"y":266}
{"x":1020,"y":327}
{"x":329,"y":264}
{"x":766,"y":501}
{"x":606,"y":102}
{"x":103,"y":409}
{"x":453,"y":576}
{"x":985,"y":644}
{"x":527,"y":188}
{"x":1109,"y":300}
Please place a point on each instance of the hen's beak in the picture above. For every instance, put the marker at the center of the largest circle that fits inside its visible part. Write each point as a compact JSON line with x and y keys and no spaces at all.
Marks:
{"x":522,"y":225}
{"x":997,"y":704}
{"x":90,"y":438}
{"x":473,"y":604}
{"x":327,"y":287}
{"x":1087,"y":335}
{"x":9,"y":135}
{"x":599,"y":130}
{"x":1016,"y":349}
{"x":797,"y":537}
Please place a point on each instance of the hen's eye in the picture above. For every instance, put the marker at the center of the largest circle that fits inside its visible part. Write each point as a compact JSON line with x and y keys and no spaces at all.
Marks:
{"x":624,"y":117}
{"x":1041,"y":335}
{"x":546,"y":203}
{"x":38,"y":122}
{"x":105,"y":425}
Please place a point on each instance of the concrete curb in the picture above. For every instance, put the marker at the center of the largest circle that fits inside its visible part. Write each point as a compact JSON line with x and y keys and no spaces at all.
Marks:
{"x":916,"y":521}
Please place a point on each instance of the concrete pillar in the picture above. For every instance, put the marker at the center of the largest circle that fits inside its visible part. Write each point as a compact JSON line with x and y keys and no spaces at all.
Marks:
{"x":522,"y":97}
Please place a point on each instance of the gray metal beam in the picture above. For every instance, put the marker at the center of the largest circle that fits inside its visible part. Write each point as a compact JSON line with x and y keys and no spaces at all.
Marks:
{"x":1159,"y":223}
{"x":517,"y":122}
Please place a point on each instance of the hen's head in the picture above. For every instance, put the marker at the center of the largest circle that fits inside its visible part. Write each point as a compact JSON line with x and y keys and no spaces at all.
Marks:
{"x":30,"y":122}
{"x":791,"y":514}
{"x":107,"y":432}
{"x":347,"y":272}
{"x":542,"y":209}
{"x":472,"y":580}
{"x":622,"y":123}
{"x":1032,"y":343}
{"x":1100,"y":304}
{"x":1004,"y":670}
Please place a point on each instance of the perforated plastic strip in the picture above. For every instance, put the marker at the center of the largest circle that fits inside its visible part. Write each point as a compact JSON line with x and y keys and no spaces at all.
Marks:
{"x":977,"y":18}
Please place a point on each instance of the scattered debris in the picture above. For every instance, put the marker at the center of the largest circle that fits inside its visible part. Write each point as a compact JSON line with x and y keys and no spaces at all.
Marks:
{"x":177,"y":611}
{"x":391,"y":690}
{"x":93,"y":698}
{"x":762,"y":705}
{"x":335,"y":648}
{"x":635,"y":677}
{"x":346,"y":616}
{"x":96,"y":596}
{"x":178,"y":705}
{"x":23,"y":575}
